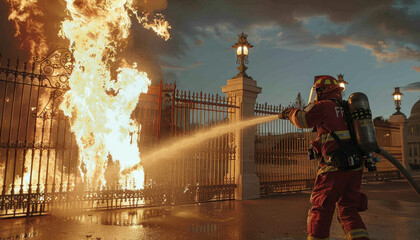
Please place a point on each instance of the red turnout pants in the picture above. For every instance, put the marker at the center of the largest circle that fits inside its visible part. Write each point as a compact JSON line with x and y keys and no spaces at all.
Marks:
{"x":341,"y":188}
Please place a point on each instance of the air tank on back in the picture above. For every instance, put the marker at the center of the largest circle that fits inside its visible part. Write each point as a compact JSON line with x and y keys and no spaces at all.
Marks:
{"x":364,"y":129}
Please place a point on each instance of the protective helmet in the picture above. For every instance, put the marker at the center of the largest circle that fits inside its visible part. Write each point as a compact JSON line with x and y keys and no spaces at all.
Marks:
{"x":323,"y":84}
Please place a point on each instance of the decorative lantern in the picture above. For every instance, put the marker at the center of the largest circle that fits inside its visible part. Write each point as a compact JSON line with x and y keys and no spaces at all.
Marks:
{"x":242,"y":50}
{"x":397,"y":100}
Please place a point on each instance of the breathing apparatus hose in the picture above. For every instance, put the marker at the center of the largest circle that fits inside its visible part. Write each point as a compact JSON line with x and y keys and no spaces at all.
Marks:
{"x":401,"y":168}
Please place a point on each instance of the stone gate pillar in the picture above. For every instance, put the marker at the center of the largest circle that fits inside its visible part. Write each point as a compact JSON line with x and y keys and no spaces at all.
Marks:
{"x":245,"y":90}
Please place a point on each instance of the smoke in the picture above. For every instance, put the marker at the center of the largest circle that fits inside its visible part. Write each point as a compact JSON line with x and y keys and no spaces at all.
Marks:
{"x":28,"y":20}
{"x":33,"y":26}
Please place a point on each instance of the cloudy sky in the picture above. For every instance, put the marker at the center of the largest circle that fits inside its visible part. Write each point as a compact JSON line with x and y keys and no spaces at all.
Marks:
{"x":375,"y":44}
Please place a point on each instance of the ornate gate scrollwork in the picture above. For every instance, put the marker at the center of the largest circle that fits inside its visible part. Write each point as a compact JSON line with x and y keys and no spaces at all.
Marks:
{"x":55,"y":70}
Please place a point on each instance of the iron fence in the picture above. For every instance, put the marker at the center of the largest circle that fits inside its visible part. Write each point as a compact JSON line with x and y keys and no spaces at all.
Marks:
{"x":37,"y":148}
{"x":202,"y":167}
{"x":282,"y":162}
{"x":39,"y":167}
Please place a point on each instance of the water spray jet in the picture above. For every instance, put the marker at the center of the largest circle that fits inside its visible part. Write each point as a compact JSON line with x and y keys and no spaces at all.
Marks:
{"x":184,"y":143}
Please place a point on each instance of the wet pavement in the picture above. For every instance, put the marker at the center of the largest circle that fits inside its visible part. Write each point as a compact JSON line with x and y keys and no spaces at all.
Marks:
{"x":394,"y":214}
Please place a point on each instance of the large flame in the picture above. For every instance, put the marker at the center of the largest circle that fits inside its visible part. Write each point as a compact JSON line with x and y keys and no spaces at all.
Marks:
{"x":100,"y":107}
{"x":26,"y":15}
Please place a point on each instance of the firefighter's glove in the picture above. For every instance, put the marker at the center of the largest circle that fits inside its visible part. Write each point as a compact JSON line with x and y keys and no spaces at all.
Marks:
{"x":285,"y":113}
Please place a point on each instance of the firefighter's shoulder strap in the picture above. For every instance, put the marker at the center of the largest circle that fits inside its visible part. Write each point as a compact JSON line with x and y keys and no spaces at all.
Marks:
{"x":334,"y":135}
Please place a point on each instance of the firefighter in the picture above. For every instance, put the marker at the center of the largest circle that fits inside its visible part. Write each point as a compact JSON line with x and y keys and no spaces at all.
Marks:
{"x":334,"y":185}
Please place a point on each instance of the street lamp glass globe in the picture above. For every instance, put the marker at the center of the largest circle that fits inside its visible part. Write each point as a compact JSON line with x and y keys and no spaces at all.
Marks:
{"x":239,"y":51}
{"x":343,"y":85}
{"x":242,"y":51}
{"x":245,"y":50}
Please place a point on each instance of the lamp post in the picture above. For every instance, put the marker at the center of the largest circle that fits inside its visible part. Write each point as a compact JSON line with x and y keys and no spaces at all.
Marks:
{"x":397,"y":100}
{"x":341,"y":81}
{"x":242,"y":49}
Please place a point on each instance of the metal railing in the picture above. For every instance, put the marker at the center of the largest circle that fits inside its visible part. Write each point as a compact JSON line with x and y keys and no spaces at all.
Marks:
{"x":206,"y":169}
{"x":281,"y":154}
{"x":39,"y":167}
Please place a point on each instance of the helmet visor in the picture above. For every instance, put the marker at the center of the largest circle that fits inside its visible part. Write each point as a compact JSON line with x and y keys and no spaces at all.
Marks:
{"x":312,"y":95}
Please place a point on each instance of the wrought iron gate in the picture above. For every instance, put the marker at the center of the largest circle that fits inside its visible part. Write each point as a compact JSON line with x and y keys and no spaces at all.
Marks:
{"x":39,"y":155}
{"x":36,"y":147}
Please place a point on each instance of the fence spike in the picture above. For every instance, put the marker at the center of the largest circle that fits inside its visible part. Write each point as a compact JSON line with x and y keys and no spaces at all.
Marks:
{"x":17,"y":64}
{"x":8,"y":63}
{"x":189,"y":95}
{"x":33,"y":67}
{"x":1,"y":57}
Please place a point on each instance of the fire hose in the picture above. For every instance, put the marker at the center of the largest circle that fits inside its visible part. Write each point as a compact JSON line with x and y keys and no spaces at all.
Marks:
{"x":401,"y":168}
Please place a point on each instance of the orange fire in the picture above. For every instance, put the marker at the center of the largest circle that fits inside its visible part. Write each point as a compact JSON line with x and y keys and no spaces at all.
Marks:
{"x":26,"y":15}
{"x":99,"y":106}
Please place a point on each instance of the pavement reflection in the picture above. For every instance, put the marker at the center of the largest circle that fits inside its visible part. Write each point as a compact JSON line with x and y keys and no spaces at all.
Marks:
{"x":394,"y":213}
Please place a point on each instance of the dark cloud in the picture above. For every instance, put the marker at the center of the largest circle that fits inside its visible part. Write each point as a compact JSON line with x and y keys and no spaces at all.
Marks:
{"x":181,"y":68}
{"x":385,"y":27}
{"x":415,"y":86}
{"x":391,"y":33}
